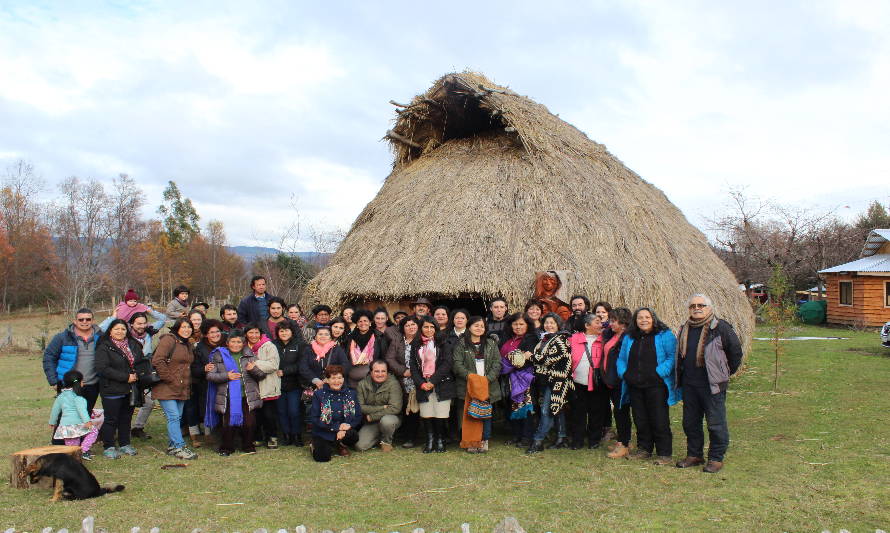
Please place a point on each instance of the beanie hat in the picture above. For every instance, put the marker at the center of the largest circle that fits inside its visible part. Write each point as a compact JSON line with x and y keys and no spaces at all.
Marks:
{"x":131,"y":295}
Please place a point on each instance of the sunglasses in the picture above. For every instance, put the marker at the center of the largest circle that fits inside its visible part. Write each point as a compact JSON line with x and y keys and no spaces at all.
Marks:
{"x":697,"y":306}
{"x":84,"y":319}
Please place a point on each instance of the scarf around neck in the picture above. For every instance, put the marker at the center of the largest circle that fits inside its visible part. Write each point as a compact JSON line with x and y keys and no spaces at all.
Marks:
{"x":362,"y":355}
{"x":263,"y":340}
{"x":427,"y":352}
{"x":124,"y":346}
{"x":321,"y":350}
{"x":702,"y":339}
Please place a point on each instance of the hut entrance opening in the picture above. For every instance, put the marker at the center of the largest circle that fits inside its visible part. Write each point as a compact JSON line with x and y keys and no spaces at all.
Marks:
{"x":463,"y":117}
{"x":473,"y":303}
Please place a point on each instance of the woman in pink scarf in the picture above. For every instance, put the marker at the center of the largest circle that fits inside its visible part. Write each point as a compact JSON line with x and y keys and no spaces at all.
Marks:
{"x":431,"y":371}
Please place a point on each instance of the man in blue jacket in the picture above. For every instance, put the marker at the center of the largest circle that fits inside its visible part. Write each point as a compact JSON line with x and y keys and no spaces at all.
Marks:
{"x":74,"y":348}
{"x":708,"y":353}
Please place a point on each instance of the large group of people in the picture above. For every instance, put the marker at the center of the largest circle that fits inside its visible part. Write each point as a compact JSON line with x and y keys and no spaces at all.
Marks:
{"x":266,"y":374}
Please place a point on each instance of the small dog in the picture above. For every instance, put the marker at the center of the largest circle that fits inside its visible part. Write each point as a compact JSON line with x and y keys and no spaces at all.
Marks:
{"x":77,"y":483}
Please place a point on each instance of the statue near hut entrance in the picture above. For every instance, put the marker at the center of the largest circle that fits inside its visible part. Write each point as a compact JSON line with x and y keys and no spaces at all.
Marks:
{"x":552,"y":293}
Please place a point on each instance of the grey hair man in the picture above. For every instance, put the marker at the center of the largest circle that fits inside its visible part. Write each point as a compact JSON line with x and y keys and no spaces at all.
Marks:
{"x":708,"y":353}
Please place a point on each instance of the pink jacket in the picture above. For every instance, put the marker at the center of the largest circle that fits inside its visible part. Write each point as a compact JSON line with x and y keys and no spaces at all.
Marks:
{"x":577,"y":343}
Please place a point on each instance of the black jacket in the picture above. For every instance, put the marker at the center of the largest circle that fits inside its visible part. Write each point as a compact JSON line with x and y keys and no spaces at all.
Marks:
{"x":442,"y":378}
{"x":311,"y":369}
{"x":290,"y":355}
{"x":527,"y":344}
{"x":113,"y":367}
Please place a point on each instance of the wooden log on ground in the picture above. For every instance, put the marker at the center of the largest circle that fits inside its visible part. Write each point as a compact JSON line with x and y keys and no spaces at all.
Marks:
{"x":18,"y":476}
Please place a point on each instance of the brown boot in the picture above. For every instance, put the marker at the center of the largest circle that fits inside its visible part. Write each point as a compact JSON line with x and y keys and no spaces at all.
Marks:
{"x":618,"y":452}
{"x":342,"y":450}
{"x":712,"y":467}
{"x":690,"y":461}
{"x":385,"y":446}
{"x":640,"y":454}
{"x":197,"y":441}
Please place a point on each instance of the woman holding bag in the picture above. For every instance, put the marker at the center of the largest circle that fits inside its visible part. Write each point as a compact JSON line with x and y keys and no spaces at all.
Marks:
{"x":117,"y":354}
{"x":477,"y":354}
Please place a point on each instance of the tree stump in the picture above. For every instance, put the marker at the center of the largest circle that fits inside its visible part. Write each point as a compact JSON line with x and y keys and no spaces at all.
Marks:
{"x":18,"y":477}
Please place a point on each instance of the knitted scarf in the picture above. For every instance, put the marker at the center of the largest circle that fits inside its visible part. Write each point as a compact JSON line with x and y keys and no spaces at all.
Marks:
{"x":471,"y":429}
{"x":427,"y":352}
{"x":702,"y":339}
{"x":553,"y":361}
{"x":236,"y":416}
{"x":124,"y":346}
{"x":321,"y":350}
{"x":263,"y":340}
{"x":361,"y":355}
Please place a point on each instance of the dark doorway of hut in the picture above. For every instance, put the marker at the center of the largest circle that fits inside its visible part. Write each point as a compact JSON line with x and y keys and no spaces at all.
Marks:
{"x":472,"y":303}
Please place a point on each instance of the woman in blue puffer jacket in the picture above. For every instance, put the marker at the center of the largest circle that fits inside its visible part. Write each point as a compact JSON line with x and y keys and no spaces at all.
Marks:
{"x":646,"y":364}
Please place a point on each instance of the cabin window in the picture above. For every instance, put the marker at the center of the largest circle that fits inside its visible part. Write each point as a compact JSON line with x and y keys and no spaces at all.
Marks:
{"x":887,"y":294}
{"x":846,"y":292}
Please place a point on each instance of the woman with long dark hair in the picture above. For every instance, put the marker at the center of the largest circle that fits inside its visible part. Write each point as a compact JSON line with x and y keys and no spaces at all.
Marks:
{"x":173,"y":359}
{"x":398,"y":358}
{"x":646,"y":364}
{"x":290,"y":409}
{"x":518,"y":367}
{"x":431,"y":366}
{"x":553,"y":362}
{"x":117,"y":353}
{"x":619,"y":320}
{"x":477,"y":353}
{"x":196,"y":407}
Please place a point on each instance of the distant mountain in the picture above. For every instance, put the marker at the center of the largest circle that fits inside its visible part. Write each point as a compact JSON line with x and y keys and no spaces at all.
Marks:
{"x":249,"y":253}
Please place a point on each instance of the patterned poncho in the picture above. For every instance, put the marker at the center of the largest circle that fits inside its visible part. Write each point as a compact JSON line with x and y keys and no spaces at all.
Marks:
{"x":553,"y":366}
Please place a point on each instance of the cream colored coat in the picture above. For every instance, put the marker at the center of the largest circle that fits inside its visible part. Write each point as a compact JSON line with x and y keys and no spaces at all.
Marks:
{"x":267,"y":361}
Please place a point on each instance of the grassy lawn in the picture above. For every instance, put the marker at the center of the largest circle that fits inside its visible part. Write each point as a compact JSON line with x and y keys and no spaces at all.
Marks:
{"x":815,"y":456}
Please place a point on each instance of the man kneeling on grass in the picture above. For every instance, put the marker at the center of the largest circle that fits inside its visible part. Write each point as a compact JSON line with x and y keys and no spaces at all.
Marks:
{"x":380,"y":397}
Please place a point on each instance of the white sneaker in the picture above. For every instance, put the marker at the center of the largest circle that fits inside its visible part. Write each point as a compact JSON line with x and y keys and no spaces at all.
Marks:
{"x":184,"y":453}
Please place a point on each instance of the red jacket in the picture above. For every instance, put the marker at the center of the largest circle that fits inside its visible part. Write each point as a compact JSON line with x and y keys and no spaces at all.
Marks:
{"x":578,"y":343}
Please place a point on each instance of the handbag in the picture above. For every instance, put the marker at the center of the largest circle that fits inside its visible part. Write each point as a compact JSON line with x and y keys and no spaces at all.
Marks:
{"x":479,"y":409}
{"x":146,"y":374}
{"x":136,"y":398}
{"x":597,"y":372}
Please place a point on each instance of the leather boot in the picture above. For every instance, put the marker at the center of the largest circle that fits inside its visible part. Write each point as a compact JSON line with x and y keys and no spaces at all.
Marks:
{"x":559,"y":443}
{"x":535,"y":447}
{"x":441,"y":432}
{"x":297,"y":440}
{"x":430,"y":434}
{"x":286,"y":440}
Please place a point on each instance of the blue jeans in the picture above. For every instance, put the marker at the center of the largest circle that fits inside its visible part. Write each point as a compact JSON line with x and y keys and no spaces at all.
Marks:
{"x":173,"y":411}
{"x":486,"y":427}
{"x":290,"y":412}
{"x":547,"y":418}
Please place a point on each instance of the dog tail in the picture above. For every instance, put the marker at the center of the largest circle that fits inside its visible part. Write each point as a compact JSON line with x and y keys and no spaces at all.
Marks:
{"x":113,"y":488}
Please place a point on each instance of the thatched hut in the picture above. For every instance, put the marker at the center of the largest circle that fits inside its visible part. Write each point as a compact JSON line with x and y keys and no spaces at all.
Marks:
{"x":489,"y":187}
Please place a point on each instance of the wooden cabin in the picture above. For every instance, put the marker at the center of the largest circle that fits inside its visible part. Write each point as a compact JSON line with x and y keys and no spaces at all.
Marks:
{"x":858,"y":292}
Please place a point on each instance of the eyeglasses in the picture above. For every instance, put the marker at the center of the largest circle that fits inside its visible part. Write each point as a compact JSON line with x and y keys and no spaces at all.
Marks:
{"x":697,"y":306}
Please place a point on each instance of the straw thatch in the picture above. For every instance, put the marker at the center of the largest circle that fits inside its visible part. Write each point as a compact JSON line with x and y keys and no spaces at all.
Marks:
{"x":489,"y":187}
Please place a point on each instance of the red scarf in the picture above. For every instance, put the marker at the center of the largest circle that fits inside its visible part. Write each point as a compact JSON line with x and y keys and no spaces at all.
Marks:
{"x":263,"y":340}
{"x":321,"y":350}
{"x":124,"y":346}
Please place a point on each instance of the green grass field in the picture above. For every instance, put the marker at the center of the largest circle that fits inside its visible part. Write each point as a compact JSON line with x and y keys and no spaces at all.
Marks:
{"x":815,"y":456}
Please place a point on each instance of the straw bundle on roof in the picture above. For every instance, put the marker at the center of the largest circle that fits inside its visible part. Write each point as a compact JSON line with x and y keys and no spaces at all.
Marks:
{"x":489,"y":187}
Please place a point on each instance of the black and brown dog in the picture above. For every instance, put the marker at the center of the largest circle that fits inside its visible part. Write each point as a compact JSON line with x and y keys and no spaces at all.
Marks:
{"x":77,"y":483}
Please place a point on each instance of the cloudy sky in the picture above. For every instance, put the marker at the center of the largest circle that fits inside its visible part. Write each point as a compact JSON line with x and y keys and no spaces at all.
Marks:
{"x":263,"y":110}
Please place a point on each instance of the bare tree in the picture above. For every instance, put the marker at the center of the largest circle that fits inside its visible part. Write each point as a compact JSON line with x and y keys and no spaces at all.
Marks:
{"x":82,"y":224}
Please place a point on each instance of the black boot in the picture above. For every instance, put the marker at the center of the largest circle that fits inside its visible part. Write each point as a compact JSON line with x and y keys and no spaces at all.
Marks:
{"x":297,"y":440}
{"x":441,"y":431}
{"x":286,"y":440}
{"x":535,"y":447}
{"x":558,"y":444}
{"x":430,"y":434}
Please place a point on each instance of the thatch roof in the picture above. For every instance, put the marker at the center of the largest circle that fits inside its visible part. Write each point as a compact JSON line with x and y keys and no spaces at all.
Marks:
{"x":488,"y":187}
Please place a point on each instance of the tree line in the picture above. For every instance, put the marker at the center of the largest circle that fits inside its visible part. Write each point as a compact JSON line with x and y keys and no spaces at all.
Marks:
{"x":757,"y":237}
{"x":91,"y":242}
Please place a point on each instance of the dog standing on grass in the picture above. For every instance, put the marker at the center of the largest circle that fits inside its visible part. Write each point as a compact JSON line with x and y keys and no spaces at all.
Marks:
{"x":77,"y":483}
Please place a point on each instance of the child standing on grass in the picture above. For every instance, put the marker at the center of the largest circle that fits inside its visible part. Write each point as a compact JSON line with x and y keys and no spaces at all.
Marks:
{"x":69,"y":414}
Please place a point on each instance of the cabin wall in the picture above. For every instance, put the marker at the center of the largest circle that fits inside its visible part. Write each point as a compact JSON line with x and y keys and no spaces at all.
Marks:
{"x":869,"y":300}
